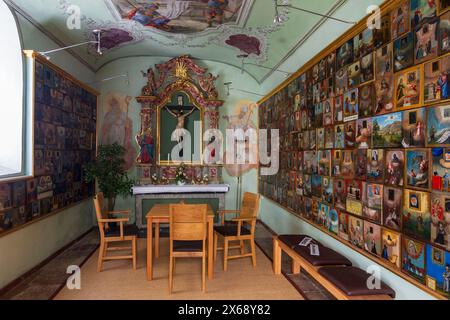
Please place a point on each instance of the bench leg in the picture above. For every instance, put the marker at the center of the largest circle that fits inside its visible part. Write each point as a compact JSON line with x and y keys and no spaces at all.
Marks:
{"x":295,"y":267}
{"x":276,"y":257}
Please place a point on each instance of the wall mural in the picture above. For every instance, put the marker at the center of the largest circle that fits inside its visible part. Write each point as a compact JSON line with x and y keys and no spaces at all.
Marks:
{"x":365,"y":135}
{"x":179,"y":16}
{"x":117,"y":126}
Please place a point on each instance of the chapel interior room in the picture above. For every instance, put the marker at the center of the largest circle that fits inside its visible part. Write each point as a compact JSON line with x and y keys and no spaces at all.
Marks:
{"x":225,"y":150}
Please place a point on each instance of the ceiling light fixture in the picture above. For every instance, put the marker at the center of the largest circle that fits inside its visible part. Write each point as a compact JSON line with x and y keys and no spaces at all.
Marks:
{"x":280,"y":19}
{"x":98,"y":35}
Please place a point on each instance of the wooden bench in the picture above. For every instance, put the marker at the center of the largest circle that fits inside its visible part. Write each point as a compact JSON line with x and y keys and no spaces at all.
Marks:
{"x":299,"y":263}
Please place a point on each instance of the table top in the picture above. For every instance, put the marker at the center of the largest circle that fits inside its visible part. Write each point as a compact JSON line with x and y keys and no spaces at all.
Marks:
{"x":162,"y":211}
{"x":188,"y":188}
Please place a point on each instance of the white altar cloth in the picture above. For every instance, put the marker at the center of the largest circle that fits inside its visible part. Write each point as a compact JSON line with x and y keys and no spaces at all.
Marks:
{"x":188,"y":188}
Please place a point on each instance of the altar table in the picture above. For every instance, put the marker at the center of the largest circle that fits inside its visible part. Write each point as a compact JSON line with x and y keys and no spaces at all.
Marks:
{"x":188,"y":191}
{"x":160,"y":214}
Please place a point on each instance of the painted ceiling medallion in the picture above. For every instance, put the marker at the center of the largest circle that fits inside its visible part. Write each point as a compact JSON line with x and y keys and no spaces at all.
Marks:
{"x":180,"y":16}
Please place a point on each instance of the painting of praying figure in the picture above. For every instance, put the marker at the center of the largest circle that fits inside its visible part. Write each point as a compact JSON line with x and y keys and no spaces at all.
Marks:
{"x":438,"y":126}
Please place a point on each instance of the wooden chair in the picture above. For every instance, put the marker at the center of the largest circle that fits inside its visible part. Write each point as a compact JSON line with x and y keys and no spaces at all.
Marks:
{"x":108,"y":234}
{"x":187,"y":236}
{"x":237,"y":230}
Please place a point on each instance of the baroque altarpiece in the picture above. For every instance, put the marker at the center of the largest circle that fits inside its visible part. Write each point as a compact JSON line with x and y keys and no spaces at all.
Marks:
{"x":177,"y":93}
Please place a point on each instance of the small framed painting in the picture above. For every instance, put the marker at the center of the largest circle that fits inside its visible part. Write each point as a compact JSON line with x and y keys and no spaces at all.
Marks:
{"x":408,"y":85}
{"x":344,"y":55}
{"x":372,"y":238}
{"x":366,"y":100}
{"x":413,"y":126}
{"x":343,"y":226}
{"x":340,"y":193}
{"x":339,"y":136}
{"x":350,"y":134}
{"x":391,"y":244}
{"x":421,"y":11}
{"x":364,"y":133}
{"x":351,"y":109}
{"x":416,"y":220}
{"x":417,"y":170}
{"x":404,"y":52}
{"x":444,"y":33}
{"x":400,"y":23}
{"x":438,"y":126}
{"x":440,"y":219}
{"x":438,"y":270}
{"x":395,"y":166}
{"x":440,"y":180}
{"x":375,"y":165}
{"x":354,"y":74}
{"x":356,"y":232}
{"x":384,"y":80}
{"x":367,"y":68}
{"x":341,"y":83}
{"x":413,"y":259}
{"x":426,"y":41}
{"x":392,"y":207}
{"x":387,"y":131}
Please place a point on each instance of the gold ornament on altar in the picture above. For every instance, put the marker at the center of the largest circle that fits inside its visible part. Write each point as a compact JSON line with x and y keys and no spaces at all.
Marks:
{"x":181,"y":71}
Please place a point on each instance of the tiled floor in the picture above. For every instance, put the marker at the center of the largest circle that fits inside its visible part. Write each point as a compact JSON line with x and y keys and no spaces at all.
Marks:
{"x":46,"y":282}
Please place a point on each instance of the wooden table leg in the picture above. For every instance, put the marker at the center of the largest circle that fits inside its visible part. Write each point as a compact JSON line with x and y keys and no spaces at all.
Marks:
{"x":210,"y":249}
{"x":276,"y":257}
{"x":157,"y":240}
{"x":149,"y":249}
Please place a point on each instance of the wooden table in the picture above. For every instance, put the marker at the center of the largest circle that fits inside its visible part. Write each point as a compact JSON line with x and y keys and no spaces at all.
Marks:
{"x":160,"y":214}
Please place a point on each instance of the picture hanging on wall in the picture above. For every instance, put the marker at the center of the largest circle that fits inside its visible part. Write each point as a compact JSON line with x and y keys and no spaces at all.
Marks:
{"x":413,"y":258}
{"x":426,"y":41}
{"x":387,"y":131}
{"x":366,"y":100}
{"x":408,"y":88}
{"x":404,"y":52}
{"x":372,"y":238}
{"x":444,"y":33}
{"x":391,"y":244}
{"x":440,"y":220}
{"x":344,"y":55}
{"x":392,"y":207}
{"x":438,"y":126}
{"x":438,"y":270}
{"x":351,"y":105}
{"x":367,"y":68}
{"x":422,"y":11}
{"x":440,"y":180}
{"x":416,"y":214}
{"x":395,"y":164}
{"x":436,"y":86}
{"x":414,"y":122}
{"x":384,"y":80}
{"x":343,"y":226}
{"x":417,"y":173}
{"x":400,"y":20}
{"x":356,"y":231}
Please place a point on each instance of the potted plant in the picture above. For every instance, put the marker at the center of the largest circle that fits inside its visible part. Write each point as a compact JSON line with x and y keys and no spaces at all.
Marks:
{"x":108,"y":170}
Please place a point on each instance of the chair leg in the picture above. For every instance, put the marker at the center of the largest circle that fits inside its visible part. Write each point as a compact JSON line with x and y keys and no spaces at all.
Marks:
{"x":225,"y":254}
{"x":101,"y":253}
{"x":252,"y":245}
{"x":242,"y":247}
{"x":204,"y":273}
{"x":171,"y":274}
{"x":216,"y":238}
{"x":134,"y":245}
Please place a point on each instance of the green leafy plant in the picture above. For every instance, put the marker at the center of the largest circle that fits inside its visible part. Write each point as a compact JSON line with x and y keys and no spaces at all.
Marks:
{"x":108,"y":170}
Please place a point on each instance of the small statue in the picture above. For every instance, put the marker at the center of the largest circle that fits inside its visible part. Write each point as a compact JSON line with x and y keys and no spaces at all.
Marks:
{"x":207,"y":85}
{"x":155,"y":178}
{"x":150,"y":88}
{"x":205,"y":179}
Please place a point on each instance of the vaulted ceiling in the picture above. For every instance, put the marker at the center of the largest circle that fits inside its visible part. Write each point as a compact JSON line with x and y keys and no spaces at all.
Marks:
{"x":173,"y":27}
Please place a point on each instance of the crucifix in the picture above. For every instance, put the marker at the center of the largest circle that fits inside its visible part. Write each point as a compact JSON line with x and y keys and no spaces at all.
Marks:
{"x":181,"y":118}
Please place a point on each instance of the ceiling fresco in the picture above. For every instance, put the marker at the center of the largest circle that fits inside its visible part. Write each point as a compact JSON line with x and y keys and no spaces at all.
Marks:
{"x":177,"y":16}
{"x":241,"y":33}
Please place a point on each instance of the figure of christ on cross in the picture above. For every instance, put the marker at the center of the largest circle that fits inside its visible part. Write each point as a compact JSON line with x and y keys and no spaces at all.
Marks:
{"x":181,"y":118}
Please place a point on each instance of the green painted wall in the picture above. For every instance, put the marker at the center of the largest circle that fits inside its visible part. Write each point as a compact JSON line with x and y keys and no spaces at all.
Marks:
{"x":226,"y":73}
{"x":22,"y":250}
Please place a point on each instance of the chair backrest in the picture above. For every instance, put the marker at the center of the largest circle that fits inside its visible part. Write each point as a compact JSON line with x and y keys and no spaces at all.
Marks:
{"x":99,"y":212}
{"x":250,"y":208}
{"x":187,"y":222}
